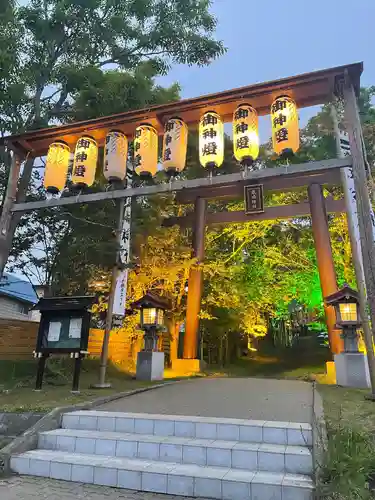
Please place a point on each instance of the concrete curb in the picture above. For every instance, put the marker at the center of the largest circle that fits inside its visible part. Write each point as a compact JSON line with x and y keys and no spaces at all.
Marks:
{"x":52,"y":420}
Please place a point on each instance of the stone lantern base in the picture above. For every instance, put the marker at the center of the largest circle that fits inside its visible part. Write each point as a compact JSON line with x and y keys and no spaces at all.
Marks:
{"x":150,"y":365}
{"x":352,"y":370}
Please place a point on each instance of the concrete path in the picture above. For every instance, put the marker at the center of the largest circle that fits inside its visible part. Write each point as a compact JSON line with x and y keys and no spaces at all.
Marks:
{"x":40,"y":488}
{"x":252,"y":398}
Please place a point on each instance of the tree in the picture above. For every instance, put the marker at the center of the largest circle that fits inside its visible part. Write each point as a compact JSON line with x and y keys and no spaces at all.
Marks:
{"x":64,"y":48}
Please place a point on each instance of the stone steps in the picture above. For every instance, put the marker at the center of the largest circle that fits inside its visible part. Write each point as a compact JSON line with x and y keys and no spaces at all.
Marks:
{"x":164,"y":477}
{"x":216,"y":453}
{"x":220,"y":458}
{"x":226,"y":429}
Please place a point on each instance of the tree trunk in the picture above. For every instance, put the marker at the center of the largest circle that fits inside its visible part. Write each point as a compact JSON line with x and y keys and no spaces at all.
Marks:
{"x":220,"y":352}
{"x":227,"y":352}
{"x":9,"y":221}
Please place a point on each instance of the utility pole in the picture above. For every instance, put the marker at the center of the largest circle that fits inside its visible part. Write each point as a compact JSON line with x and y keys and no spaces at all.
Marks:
{"x":102,"y":384}
{"x":119,"y":278}
{"x":365,"y":215}
{"x":347,"y":178}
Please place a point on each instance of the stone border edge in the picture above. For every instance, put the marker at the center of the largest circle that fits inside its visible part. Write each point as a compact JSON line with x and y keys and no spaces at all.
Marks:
{"x":320,"y":437}
{"x":52,"y":420}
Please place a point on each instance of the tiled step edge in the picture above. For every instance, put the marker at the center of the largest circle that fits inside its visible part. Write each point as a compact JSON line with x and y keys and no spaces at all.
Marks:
{"x":227,"y":429}
{"x":162,"y":477}
{"x":205,"y":452}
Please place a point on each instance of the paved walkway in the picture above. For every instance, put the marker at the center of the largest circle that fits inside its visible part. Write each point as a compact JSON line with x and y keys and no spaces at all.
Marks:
{"x":253,"y":398}
{"x":40,"y":488}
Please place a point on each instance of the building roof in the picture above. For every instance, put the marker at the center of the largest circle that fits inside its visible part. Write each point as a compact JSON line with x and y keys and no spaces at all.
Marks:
{"x":12,"y":286}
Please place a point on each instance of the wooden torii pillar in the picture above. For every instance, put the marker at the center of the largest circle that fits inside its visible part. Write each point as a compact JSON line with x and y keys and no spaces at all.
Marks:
{"x":195,"y":284}
{"x":326,"y":267}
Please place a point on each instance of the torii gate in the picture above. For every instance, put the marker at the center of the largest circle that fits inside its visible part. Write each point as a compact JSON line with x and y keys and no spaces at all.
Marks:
{"x":307,"y":90}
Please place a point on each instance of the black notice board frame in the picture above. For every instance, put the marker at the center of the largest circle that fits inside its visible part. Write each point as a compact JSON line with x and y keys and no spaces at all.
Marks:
{"x":248,"y":189}
{"x":64,"y":317}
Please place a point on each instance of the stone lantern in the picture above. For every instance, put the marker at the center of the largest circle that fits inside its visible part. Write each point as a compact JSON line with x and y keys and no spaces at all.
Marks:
{"x":150,"y":362}
{"x":351,"y":365}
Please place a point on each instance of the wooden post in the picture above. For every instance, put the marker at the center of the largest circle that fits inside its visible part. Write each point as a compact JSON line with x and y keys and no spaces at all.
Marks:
{"x":6,"y":214}
{"x":195,"y":283}
{"x":76,"y":374}
{"x":365,"y":218}
{"x":355,"y":243}
{"x":40,"y":372}
{"x":324,"y":258}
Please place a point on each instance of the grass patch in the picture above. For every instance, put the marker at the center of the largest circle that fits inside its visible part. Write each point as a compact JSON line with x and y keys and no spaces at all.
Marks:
{"x":17,"y":381}
{"x":349,"y":464}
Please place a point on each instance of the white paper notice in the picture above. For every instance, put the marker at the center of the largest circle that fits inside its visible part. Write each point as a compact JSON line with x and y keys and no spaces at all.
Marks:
{"x":75,"y":327}
{"x":54,"y":331}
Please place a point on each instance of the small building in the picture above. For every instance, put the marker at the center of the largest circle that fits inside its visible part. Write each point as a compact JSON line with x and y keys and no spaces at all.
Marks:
{"x":16,"y":298}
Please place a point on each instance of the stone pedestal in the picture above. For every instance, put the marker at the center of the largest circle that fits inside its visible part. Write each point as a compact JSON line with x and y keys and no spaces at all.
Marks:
{"x":150,"y":365}
{"x":352,"y":370}
{"x":187,"y":366}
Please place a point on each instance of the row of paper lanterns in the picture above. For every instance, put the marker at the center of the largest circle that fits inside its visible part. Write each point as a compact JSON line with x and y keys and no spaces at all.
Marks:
{"x":285,"y":138}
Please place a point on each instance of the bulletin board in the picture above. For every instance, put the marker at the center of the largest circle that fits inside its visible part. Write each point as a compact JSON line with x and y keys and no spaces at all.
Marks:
{"x":64,"y":332}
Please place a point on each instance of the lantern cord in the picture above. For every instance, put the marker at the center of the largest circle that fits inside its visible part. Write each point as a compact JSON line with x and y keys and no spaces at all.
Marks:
{"x":83,"y":220}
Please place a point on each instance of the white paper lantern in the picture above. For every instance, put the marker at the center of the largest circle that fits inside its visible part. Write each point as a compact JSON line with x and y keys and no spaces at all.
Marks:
{"x":115,"y":156}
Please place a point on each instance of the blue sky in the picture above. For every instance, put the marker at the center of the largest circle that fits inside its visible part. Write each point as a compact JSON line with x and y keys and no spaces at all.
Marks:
{"x":271,"y":39}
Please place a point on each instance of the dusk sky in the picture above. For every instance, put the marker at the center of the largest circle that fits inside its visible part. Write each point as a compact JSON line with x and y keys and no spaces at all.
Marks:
{"x":271,"y":39}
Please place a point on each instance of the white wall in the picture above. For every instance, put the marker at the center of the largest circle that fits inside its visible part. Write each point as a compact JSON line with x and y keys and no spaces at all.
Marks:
{"x":13,"y":309}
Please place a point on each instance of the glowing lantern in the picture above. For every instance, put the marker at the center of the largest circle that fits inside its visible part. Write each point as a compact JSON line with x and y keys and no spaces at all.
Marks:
{"x":245,"y":134}
{"x":57,"y":165}
{"x":211,"y":140}
{"x":174,"y":146}
{"x":84,"y":165}
{"x":145,"y":150}
{"x":285,"y":130}
{"x":115,"y":156}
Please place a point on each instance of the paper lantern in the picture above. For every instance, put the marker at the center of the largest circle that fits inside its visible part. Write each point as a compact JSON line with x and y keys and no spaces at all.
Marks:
{"x":84,"y":165}
{"x":245,"y":134}
{"x":174,"y":146}
{"x":211,"y":140}
{"x":57,"y":165}
{"x":115,"y":156}
{"x":145,"y":150}
{"x":285,"y":130}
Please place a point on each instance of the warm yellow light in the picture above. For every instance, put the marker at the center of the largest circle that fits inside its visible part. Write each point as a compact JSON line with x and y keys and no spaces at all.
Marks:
{"x":211,"y":140}
{"x":348,"y":312}
{"x":174,"y":145}
{"x":285,"y":129}
{"x":245,"y":134}
{"x":146,"y":150}
{"x":152,"y":316}
{"x":84,"y":165}
{"x":57,"y":165}
{"x":115,"y":156}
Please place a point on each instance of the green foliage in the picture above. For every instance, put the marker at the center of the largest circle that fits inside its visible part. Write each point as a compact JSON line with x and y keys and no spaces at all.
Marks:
{"x":65,"y":46}
{"x":73,"y":60}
